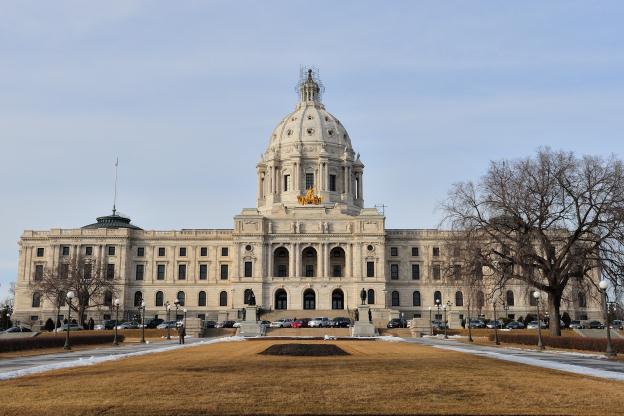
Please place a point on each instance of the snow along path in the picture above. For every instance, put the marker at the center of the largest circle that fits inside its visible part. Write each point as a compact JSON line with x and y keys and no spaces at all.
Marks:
{"x":584,"y":364}
{"x":72,"y":362}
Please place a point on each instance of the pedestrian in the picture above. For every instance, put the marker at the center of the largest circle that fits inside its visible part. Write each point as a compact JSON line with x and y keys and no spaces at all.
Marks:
{"x":91,"y":324}
{"x":182,"y":333}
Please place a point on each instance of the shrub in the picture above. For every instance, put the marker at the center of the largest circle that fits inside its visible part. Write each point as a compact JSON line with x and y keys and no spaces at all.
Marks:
{"x":49,"y":325}
{"x":30,"y":343}
{"x":564,"y":342}
{"x":566,"y":319}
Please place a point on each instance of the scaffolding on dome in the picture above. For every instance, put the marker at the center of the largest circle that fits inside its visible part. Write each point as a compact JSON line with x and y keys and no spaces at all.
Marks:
{"x":304,"y":71}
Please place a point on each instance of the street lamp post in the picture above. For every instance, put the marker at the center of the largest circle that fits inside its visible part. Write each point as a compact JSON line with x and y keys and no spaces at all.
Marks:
{"x":184,"y":310}
{"x":142,"y":322}
{"x":506,"y":308}
{"x":540,"y":344}
{"x":445,"y":323}
{"x":437,"y":301}
{"x":115,"y":341}
{"x":177,"y":306}
{"x":496,"y":340}
{"x":168,"y":319}
{"x":603,"y":288}
{"x":430,"y":322}
{"x":70,"y":296}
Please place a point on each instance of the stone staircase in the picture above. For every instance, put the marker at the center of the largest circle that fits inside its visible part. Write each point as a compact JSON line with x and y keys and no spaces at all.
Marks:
{"x":308,"y":332}
{"x":281,"y":314}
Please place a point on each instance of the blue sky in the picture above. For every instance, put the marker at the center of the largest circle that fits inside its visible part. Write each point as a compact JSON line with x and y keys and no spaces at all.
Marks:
{"x":186,"y":94}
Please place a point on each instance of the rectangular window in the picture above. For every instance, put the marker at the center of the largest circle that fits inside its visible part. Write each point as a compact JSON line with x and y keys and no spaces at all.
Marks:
{"x":394,"y":251}
{"x":337,"y":271}
{"x":286,"y":183}
{"x":34,"y":317}
{"x":282,"y":271}
{"x":40,"y":252}
{"x":203,"y":251}
{"x":181,"y":271}
{"x":414,"y":251}
{"x":39,"y":272}
{"x":457,"y":271}
{"x":160,"y":272}
{"x":224,"y":251}
{"x":88,"y":251}
{"x":87,"y":271}
{"x":161,"y":252}
{"x":417,"y":316}
{"x":309,"y":270}
{"x":110,"y":271}
{"x":111,"y":250}
{"x":140,"y":270}
{"x":332,"y":183}
{"x":65,"y":250}
{"x":64,"y":270}
{"x":203,"y":271}
{"x":140,"y":251}
{"x":224,"y":272}
{"x":309,"y":180}
{"x":182,"y":251}
{"x":415,"y":271}
{"x":370,"y":269}
{"x":394,"y":271}
{"x":436,"y":272}
{"x":248,"y":268}
{"x":436,"y":251}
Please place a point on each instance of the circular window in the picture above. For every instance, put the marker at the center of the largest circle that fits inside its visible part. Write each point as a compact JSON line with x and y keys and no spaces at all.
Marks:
{"x":248,"y":247}
{"x":370,"y":247}
{"x":310,"y":131}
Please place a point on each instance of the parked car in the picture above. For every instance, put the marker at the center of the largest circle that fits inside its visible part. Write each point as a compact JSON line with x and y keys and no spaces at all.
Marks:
{"x":153,"y":323}
{"x":534,"y":324}
{"x":72,"y":327}
{"x":166,"y":324}
{"x":494,"y":324}
{"x":476,"y":323}
{"x":322,"y":322}
{"x":595,"y":325}
{"x":617,"y":324}
{"x":514,"y":325}
{"x":300,"y":323}
{"x":16,"y":329}
{"x":438,"y":325}
{"x":128,"y":325}
{"x":265,"y":323}
{"x":225,"y":324}
{"x":576,"y":325}
{"x":106,"y":324}
{"x":280,"y":323}
{"x":341,"y":322}
{"x":397,"y":323}
{"x":209,"y":324}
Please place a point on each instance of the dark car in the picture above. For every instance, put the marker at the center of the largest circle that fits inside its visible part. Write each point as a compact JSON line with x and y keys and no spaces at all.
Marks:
{"x":438,"y":325}
{"x":341,"y":322}
{"x":16,"y":329}
{"x":225,"y":324}
{"x":153,"y":323}
{"x":514,"y":325}
{"x":397,"y":323}
{"x":210,"y":324}
{"x":109,"y":323}
{"x":595,"y":325}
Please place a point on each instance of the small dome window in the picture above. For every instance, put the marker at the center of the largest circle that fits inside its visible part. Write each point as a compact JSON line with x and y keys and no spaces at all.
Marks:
{"x":330,"y":132}
{"x":310,"y":131}
{"x":326,"y":118}
{"x":289,"y":132}
{"x":310,"y":117}
{"x":294,"y":118}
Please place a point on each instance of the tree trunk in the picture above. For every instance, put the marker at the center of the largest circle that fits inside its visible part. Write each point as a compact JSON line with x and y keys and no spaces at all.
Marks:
{"x":554,"y":305}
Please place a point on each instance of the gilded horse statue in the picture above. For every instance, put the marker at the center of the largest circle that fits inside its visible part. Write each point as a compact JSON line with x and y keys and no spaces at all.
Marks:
{"x":309,"y":198}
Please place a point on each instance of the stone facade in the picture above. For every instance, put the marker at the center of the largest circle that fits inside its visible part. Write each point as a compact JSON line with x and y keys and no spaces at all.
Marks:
{"x":310,"y":244}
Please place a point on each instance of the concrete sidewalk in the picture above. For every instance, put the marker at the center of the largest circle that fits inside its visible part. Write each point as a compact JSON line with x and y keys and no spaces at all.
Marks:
{"x":590,"y":364}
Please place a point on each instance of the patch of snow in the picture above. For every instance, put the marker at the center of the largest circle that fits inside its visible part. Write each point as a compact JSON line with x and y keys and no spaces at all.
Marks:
{"x":389,"y":338}
{"x":329,"y":337}
{"x":81,"y":362}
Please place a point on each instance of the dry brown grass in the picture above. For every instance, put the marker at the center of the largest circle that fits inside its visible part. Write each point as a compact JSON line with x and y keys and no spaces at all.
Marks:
{"x":377,"y":378}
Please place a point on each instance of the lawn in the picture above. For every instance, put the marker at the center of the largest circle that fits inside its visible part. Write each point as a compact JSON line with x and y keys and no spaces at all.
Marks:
{"x":376,"y":378}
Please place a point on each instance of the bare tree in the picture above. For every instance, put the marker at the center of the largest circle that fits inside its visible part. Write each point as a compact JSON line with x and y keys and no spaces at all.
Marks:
{"x":544,"y":220}
{"x":85,"y":277}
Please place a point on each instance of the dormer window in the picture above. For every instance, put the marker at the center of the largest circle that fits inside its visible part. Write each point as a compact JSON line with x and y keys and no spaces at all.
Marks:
{"x":310,"y":131}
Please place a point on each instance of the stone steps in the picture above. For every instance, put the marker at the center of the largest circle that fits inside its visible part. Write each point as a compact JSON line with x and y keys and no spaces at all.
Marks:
{"x":308,"y":332}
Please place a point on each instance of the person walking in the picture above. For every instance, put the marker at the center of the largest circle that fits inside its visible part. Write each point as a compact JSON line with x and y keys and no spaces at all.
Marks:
{"x":182,"y":333}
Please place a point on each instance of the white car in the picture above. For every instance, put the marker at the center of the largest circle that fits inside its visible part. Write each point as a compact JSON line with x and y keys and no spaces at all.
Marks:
{"x":282,"y":323}
{"x":72,"y":327}
{"x":322,"y":322}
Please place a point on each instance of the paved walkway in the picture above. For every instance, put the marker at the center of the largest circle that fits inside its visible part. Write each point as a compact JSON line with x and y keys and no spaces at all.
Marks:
{"x":591,"y":364}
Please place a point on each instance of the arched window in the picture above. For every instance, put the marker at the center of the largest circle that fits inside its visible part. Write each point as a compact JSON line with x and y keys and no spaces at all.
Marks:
{"x":36,"y":300}
{"x":309,"y":299}
{"x":510,"y":298}
{"x":108,"y":298}
{"x":247,"y":296}
{"x":582,"y":300}
{"x":337,"y":262}
{"x":337,"y":299}
{"x":223,"y":298}
{"x":371,"y":297}
{"x":281,"y":299}
{"x":416,"y":298}
{"x":181,"y":298}
{"x":532,"y":300}
{"x":437,"y":297}
{"x":280,"y":262}
{"x":395,"y":299}
{"x":459,"y":298}
{"x":201,"y":298}
{"x":138,"y":298}
{"x":480,"y":300}
{"x":309,"y":260}
{"x":160,"y":299}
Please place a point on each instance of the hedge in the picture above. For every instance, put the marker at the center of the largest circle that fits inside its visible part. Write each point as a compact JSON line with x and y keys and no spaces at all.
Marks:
{"x":30,"y":343}
{"x":564,"y":342}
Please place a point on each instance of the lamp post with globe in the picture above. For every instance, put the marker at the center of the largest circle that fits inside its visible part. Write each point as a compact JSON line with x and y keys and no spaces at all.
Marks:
{"x":117,"y":302}
{"x":604,"y":285}
{"x":168,"y":320}
{"x":445,"y":322}
{"x":540,"y":344}
{"x":437,"y":302}
{"x":142,"y":322}
{"x":70,"y":296}
{"x":430,"y":322}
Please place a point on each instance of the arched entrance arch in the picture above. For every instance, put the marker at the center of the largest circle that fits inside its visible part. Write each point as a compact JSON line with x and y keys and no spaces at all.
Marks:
{"x":281,"y":299}
{"x":337,"y":261}
{"x":309,"y":262}
{"x":281,"y":258}
{"x":337,"y":299}
{"x":309,"y":299}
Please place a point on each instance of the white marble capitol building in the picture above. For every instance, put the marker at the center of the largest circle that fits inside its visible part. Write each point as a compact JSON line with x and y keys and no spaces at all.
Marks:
{"x":308,"y":247}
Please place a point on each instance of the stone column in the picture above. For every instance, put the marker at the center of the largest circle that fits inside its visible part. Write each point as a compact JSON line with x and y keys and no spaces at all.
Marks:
{"x":297,"y":256}
{"x":349,"y":261}
{"x":291,"y":260}
{"x":326,"y":260}
{"x":270,"y":262}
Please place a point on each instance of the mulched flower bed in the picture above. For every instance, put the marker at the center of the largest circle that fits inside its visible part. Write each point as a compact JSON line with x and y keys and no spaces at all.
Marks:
{"x":305,"y":350}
